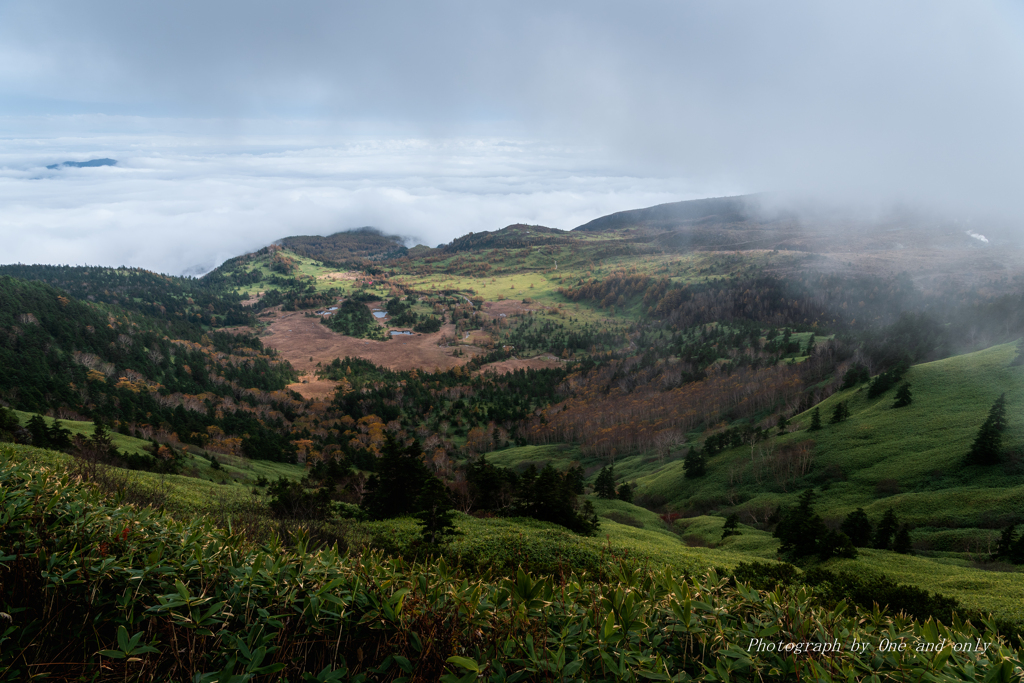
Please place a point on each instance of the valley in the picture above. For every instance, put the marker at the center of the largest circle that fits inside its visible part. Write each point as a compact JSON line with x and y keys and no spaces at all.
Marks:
{"x":702,"y":404}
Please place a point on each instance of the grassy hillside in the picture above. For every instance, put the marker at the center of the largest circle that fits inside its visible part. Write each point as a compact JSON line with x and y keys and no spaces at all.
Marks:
{"x":628,"y":533}
{"x":157,"y":599}
{"x":199,"y":488}
{"x":909,"y":459}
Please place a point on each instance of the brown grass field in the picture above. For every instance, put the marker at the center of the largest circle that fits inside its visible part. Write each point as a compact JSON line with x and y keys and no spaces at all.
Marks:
{"x":305,"y":342}
{"x":299,"y":339}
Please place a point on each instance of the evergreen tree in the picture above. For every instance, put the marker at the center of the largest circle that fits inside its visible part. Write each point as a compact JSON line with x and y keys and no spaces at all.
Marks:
{"x":989,"y":441}
{"x":903,"y":396}
{"x":574,"y":479}
{"x":887,"y":380}
{"x":625,"y":493}
{"x":288,"y":498}
{"x":783,"y":423}
{"x":8,"y":424}
{"x":886,"y":530}
{"x":855,"y":375}
{"x":1017,"y":551}
{"x":695,"y":464}
{"x":589,"y":519}
{"x":101,"y":440}
{"x":604,"y":485}
{"x":1019,"y":358}
{"x":815,"y":420}
{"x":493,"y":487}
{"x":435,"y":512}
{"x":550,"y":496}
{"x":1004,"y":548}
{"x":810,"y":346}
{"x":901,"y":543}
{"x":800,"y":528}
{"x":858,"y":527}
{"x":393,"y":490}
{"x":731,"y":526}
{"x":836,"y":544}
{"x":40,"y":434}
{"x":59,"y":436}
{"x":840,"y":413}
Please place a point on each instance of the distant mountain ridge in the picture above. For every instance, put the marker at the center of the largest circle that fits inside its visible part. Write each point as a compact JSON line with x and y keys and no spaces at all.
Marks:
{"x":514,"y":236}
{"x":84,"y":164}
{"x":672,"y":214}
{"x":359,"y":243}
{"x":769,"y":222}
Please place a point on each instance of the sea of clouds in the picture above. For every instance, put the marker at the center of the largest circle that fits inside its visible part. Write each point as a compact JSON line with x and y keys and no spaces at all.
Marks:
{"x":182,"y":204}
{"x":237,"y":123}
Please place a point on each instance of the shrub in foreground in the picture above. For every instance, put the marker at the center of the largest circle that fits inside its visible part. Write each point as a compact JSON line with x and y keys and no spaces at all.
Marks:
{"x":150,"y":598}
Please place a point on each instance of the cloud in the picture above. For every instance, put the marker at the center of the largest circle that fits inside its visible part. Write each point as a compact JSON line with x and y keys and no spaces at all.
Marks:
{"x":181,"y":204}
{"x":868,"y":102}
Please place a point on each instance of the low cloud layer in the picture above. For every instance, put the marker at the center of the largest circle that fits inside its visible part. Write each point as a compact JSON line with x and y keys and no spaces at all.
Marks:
{"x":862,"y":103}
{"x":183,"y":205}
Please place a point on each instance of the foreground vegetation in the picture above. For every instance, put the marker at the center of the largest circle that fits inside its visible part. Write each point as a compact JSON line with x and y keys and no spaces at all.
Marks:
{"x":166,"y":600}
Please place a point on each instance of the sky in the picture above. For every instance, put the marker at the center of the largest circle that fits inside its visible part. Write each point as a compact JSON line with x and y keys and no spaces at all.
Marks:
{"x":238,"y":123}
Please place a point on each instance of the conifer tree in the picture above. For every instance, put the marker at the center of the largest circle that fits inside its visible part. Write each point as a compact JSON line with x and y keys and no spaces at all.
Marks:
{"x":815,"y":420}
{"x":886,"y":530}
{"x":435,"y":512}
{"x":100,"y":434}
{"x":393,"y":490}
{"x":840,"y":413}
{"x":695,"y":464}
{"x":857,"y":527}
{"x":8,"y":424}
{"x":783,"y":423}
{"x":589,"y":519}
{"x":1004,"y":548}
{"x":901,"y":543}
{"x":1019,"y":358}
{"x":40,"y":435}
{"x":835,"y":544}
{"x":800,"y":529}
{"x":574,"y":479}
{"x":604,"y":485}
{"x":855,"y":375}
{"x":731,"y":526}
{"x":59,"y":436}
{"x":1017,"y":551}
{"x":625,"y":493}
{"x":989,"y":441}
{"x":903,"y":396}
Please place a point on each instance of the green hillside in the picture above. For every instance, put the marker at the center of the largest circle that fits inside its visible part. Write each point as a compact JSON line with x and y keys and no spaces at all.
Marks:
{"x":908,"y":458}
{"x":158,"y":599}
